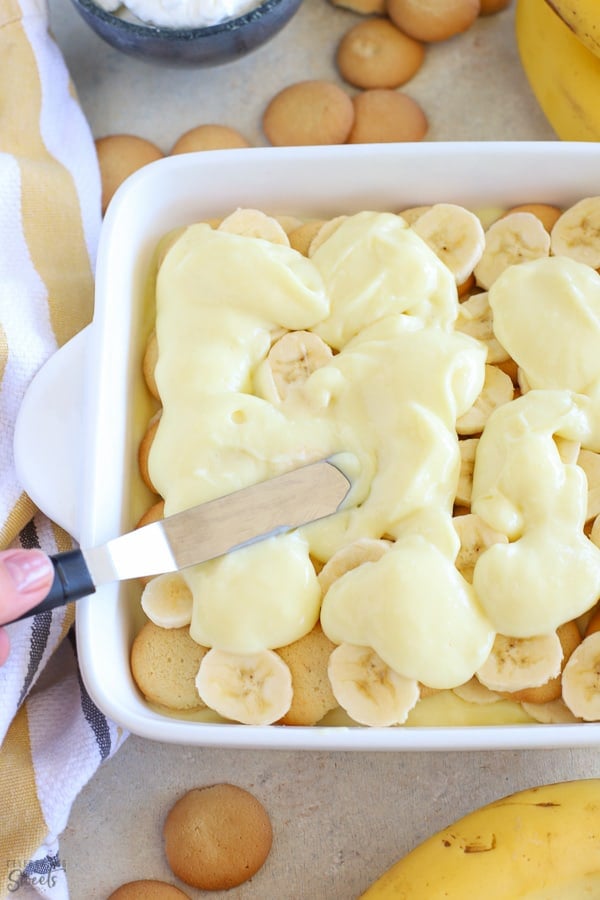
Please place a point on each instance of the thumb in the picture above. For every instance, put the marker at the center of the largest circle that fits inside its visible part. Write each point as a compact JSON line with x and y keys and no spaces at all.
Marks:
{"x":25,"y":579}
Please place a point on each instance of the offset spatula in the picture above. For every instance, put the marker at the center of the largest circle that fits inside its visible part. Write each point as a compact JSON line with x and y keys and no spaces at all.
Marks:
{"x":204,"y":532}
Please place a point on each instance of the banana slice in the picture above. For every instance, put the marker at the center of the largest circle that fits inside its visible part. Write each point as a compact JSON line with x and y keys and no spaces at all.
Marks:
{"x":570,"y":638}
{"x":577,"y":232}
{"x":168,"y":601}
{"x":518,"y":663}
{"x":590,"y":463}
{"x":412,"y":213}
{"x":370,"y":692}
{"x":497,"y":390}
{"x":355,"y":554}
{"x":256,"y":224}
{"x":325,"y":231}
{"x":455,"y":235}
{"x":509,"y":241}
{"x":475,"y":537}
{"x":581,"y":679}
{"x":468,"y":451}
{"x":473,"y":691}
{"x":475,"y":318}
{"x":555,"y":712}
{"x":295,"y":356}
{"x":290,"y":361}
{"x":254,"y":689}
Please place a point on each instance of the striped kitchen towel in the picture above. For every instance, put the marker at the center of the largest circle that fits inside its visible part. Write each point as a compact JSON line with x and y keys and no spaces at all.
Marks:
{"x":52,"y":738}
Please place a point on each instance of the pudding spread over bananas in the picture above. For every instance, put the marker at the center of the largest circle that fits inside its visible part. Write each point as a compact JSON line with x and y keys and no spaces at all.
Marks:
{"x":269,"y":358}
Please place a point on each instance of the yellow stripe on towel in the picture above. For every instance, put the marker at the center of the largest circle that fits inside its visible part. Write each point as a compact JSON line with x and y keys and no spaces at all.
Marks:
{"x":50,"y":205}
{"x":20,"y":835}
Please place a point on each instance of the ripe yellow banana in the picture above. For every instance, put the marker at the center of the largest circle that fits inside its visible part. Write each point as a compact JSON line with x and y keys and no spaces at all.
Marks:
{"x":583,"y":18}
{"x":564,"y":75}
{"x":541,"y":843}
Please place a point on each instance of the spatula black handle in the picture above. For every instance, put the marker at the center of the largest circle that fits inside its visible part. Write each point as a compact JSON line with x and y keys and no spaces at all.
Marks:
{"x":72,"y":580}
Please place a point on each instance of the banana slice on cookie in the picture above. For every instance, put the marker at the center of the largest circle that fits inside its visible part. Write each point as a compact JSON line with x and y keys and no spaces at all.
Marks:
{"x":253,"y":688}
{"x":367,"y":689}
{"x":475,"y":537}
{"x":497,"y":390}
{"x":473,"y":691}
{"x":581,"y":679}
{"x":167,"y":601}
{"x":554,"y":712}
{"x":511,"y":240}
{"x":289,"y":363}
{"x":576,"y":233}
{"x":518,"y":663}
{"x":455,"y":235}
{"x":255,"y":223}
{"x":475,"y":318}
{"x":412,"y":213}
{"x":355,"y":554}
{"x":328,"y":228}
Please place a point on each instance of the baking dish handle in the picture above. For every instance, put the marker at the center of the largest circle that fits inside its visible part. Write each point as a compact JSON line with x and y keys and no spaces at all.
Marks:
{"x":48,"y":440}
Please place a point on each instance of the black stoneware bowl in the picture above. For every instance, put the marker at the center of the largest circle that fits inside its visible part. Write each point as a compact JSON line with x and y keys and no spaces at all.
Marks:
{"x":208,"y":46}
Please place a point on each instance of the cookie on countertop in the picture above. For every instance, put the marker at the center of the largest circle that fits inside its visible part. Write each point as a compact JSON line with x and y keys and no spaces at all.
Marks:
{"x":308,"y":113}
{"x":147,"y":889}
{"x":363,"y":7}
{"x":217,"y":837}
{"x":209,"y":137}
{"x":374,"y":53}
{"x":435,"y":21}
{"x":119,"y":156}
{"x":384,"y":116}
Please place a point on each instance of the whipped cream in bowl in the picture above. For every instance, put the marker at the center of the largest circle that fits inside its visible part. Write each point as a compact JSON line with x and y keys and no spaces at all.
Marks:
{"x":181,"y":13}
{"x":192,"y":33}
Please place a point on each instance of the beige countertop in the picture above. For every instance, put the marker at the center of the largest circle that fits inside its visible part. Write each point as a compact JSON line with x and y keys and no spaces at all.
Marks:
{"x":339,"y":819}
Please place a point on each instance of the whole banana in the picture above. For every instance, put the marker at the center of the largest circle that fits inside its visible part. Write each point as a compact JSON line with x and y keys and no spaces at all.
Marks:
{"x":564,"y":75}
{"x":537,"y":843}
{"x":583,"y":18}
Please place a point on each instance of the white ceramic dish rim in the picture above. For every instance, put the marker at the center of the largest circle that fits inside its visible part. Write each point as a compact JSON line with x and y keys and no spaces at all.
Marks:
{"x":85,"y":480}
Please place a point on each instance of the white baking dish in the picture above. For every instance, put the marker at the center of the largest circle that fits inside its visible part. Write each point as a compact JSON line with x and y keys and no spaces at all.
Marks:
{"x":86,"y":477}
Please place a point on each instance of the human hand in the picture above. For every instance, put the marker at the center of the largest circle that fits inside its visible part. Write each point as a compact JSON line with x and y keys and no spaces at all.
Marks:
{"x":25,"y":578}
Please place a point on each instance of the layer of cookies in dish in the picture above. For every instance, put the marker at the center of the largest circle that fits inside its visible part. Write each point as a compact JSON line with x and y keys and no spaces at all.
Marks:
{"x":453,"y":356}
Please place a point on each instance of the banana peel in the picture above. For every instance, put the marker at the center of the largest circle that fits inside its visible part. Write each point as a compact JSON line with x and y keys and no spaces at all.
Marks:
{"x":542,"y":843}
{"x":563,"y":73}
{"x":583,"y":18}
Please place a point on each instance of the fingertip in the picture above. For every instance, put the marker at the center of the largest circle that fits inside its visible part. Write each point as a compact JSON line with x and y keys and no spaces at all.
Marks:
{"x":25,"y":579}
